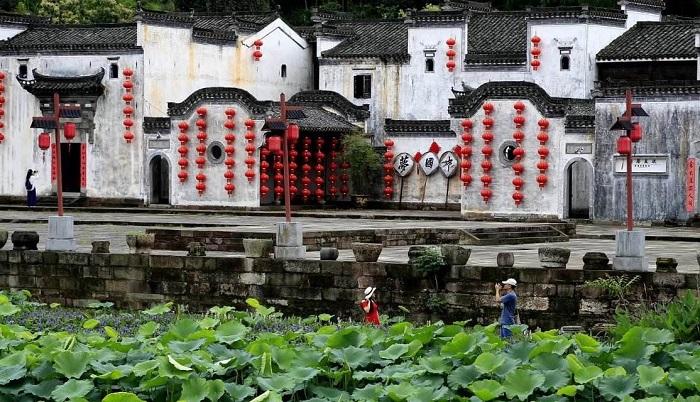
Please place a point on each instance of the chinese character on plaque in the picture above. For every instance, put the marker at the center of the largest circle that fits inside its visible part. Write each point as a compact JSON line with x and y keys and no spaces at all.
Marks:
{"x":448,"y":164}
{"x":429,"y":163}
{"x":403,"y":164}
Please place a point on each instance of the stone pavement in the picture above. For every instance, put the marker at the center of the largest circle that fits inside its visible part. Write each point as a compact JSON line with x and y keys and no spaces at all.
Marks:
{"x":113,"y":226}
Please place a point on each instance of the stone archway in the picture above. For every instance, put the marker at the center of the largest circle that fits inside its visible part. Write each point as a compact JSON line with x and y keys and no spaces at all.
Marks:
{"x":159,"y":170}
{"x":578,"y":197}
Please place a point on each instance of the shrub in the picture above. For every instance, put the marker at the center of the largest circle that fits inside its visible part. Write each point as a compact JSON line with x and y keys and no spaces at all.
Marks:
{"x":681,"y":317}
{"x":365,"y":163}
{"x":430,"y":262}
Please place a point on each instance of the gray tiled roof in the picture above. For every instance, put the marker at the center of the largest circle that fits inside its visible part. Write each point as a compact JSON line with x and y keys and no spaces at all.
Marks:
{"x":384,"y":39}
{"x":218,"y":27}
{"x":653,"y":40}
{"x":73,"y":38}
{"x":21,"y":19}
{"x":320,"y":120}
{"x":648,"y":3}
{"x":497,"y":38}
{"x":45,"y":85}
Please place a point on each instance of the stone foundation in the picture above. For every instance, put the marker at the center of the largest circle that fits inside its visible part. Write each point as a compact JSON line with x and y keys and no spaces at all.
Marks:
{"x":547,"y":298}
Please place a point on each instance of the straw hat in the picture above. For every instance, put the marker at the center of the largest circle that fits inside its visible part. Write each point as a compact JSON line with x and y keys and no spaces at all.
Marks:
{"x":369,"y":292}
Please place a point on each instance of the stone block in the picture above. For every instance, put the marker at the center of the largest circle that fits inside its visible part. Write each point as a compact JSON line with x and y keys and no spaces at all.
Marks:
{"x":345,"y":282}
{"x":96,"y":272}
{"x":336,"y":268}
{"x":321,"y":281}
{"x":544,"y":289}
{"x":366,"y":252}
{"x":633,"y":264}
{"x":33,"y":257}
{"x":594,"y":307}
{"x":630,"y":251}
{"x":505,"y":260}
{"x":194,"y":262}
{"x":48,"y":282}
{"x":302,"y":266}
{"x":196,"y":249}
{"x":26,"y":281}
{"x":400,"y":271}
{"x":138,"y":260}
{"x":100,"y":247}
{"x":228,"y":264}
{"x":664,"y":264}
{"x":553,"y":257}
{"x":470,"y":272}
{"x":257,"y":248}
{"x":566,"y":276}
{"x":132,"y":273}
{"x":669,"y":280}
{"x":266,"y":265}
{"x":119,"y":260}
{"x":24,"y":240}
{"x":232,"y":289}
{"x":60,"y":236}
{"x":3,"y":255}
{"x":533,"y":303}
{"x":455,"y":254}
{"x":289,"y":234}
{"x":371,"y":269}
{"x":595,"y":261}
{"x":290,"y":253}
{"x":166,"y":261}
{"x":175,"y":288}
{"x":692,"y":281}
{"x":100,"y":260}
{"x":67,"y":283}
{"x":14,"y":257}
{"x":564,"y":290}
{"x":287,"y":279}
{"x":561,"y":305}
{"x":300,"y":293}
{"x":166,"y":274}
{"x":250,"y":278}
{"x":70,"y":258}
{"x":494,"y":275}
{"x":92,"y":284}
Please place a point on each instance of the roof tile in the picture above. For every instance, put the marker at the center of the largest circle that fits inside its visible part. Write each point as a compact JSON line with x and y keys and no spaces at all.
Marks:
{"x":653,"y":40}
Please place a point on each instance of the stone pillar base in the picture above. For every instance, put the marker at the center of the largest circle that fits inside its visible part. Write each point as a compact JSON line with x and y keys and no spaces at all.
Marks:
{"x":60,"y":237}
{"x":289,"y":242}
{"x":629,"y":255}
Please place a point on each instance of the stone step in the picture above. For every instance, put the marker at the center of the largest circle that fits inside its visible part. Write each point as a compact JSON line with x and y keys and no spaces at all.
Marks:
{"x":513,"y":235}
{"x":522,"y":240}
{"x":518,"y":234}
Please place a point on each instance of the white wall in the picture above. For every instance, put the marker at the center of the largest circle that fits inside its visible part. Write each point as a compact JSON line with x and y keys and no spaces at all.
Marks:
{"x":246,"y":193}
{"x":8,"y":31}
{"x":175,"y":66}
{"x":114,"y":168}
{"x":635,"y":15}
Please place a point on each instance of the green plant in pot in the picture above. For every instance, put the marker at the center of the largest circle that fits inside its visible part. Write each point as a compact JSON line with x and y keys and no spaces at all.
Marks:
{"x":365,"y":166}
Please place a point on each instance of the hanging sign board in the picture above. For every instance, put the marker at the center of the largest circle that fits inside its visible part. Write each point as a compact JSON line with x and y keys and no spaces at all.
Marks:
{"x":403,"y":164}
{"x":429,"y":163}
{"x":449,"y":164}
{"x":691,"y":185}
{"x":643,"y":164}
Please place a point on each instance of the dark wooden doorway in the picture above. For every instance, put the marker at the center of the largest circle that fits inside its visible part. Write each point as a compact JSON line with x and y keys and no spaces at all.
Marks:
{"x":70,"y":167}
{"x":160,"y":180}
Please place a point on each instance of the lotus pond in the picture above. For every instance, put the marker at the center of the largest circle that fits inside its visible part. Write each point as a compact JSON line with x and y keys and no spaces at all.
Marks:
{"x":258,"y":355}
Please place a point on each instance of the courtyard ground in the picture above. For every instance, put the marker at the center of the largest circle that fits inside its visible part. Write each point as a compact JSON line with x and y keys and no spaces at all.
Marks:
{"x":681,"y":243}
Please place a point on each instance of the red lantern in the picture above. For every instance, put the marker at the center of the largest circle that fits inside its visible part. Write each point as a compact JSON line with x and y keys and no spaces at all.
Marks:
{"x":487,"y":150}
{"x":488,"y":122}
{"x":543,"y":123}
{"x":519,"y":106}
{"x":488,"y":108}
{"x":200,"y":161}
{"x":128,"y":136}
{"x":202,"y":111}
{"x":202,"y":136}
{"x":535,"y":64}
{"x":201,"y":124}
{"x":128,"y":72}
{"x":201,"y":187}
{"x":250,"y":174}
{"x":293,"y":133}
{"x":258,"y":42}
{"x":536,"y":39}
{"x":486,"y":194}
{"x":543,"y":152}
{"x":467,"y":138}
{"x":201,"y":177}
{"x":127,"y":122}
{"x":467,"y":124}
{"x":389,"y":143}
{"x":536,"y":51}
{"x":636,"y":133}
{"x":467,"y":150}
{"x":182,"y":150}
{"x":274,"y":143}
{"x":451,"y":42}
{"x":518,"y":182}
{"x":542,"y":137}
{"x":128,"y":84}
{"x":542,"y":180}
{"x":451,"y":53}
{"x":486,"y":165}
{"x":518,"y":197}
{"x":128,"y":110}
{"x":201,"y":148}
{"x":466,"y":179}
{"x":128,"y":97}
{"x":542,"y":166}
{"x":183,"y":126}
{"x":44,"y":141}
{"x":518,"y":168}
{"x":518,"y":135}
{"x":519,"y":152}
{"x":451,"y":65}
{"x":229,"y":187}
{"x":69,"y":129}
{"x":519,"y":120}
{"x":183,"y":163}
{"x":487,"y":136}
{"x":229,"y":162}
{"x":465,"y":164}
{"x":486,"y":179}
{"x":230,"y":112}
{"x":182,"y":175}
{"x":257,"y":55}
{"x":624,"y":145}
{"x":250,"y":123}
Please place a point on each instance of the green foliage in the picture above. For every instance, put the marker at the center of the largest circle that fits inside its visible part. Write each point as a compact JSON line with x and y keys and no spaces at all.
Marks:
{"x":364,"y":161}
{"x":681,"y":317}
{"x":618,"y":287}
{"x":228,"y":355}
{"x":431,"y":262}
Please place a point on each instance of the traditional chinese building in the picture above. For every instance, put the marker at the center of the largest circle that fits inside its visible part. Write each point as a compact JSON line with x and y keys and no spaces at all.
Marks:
{"x":496,"y":113}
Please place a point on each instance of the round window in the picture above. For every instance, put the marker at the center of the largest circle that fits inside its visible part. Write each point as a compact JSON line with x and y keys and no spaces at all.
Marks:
{"x":215,"y":152}
{"x":507,"y":152}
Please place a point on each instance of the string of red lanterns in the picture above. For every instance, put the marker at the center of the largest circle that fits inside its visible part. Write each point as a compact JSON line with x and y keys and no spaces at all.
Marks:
{"x":518,"y":152}
{"x":388,"y":169}
{"x":320,"y":193}
{"x":451,"y":53}
{"x":128,"y":109}
{"x":279,"y":177}
{"x":229,"y":150}
{"x":333,"y":169}
{"x":250,"y":149}
{"x":264,"y":176}
{"x":293,"y":138}
{"x":543,"y":151}
{"x":257,"y":53}
{"x":535,"y":51}
{"x":345,"y":179}
{"x":183,"y":150}
{"x":466,"y":152}
{"x":306,"y":168}
{"x":201,"y":148}
{"x":487,"y":151}
{"x":2,"y":108}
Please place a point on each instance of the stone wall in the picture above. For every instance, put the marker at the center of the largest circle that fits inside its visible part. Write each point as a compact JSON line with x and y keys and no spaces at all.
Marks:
{"x":547,"y":298}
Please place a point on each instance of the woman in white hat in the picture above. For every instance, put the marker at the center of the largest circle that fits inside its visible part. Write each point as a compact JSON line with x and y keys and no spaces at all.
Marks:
{"x":370,"y":307}
{"x":508,"y":305}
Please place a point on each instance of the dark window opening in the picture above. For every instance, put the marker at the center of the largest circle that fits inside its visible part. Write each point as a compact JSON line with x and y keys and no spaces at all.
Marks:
{"x":113,"y":70}
{"x":565,"y":62}
{"x":23,"y":71}
{"x":283,"y":71}
{"x":363,"y":86}
{"x":429,"y":65}
{"x":508,"y":152}
{"x":216,"y":152}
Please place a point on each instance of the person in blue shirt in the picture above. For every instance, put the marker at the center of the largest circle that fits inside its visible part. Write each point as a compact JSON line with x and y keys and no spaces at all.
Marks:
{"x":508,"y":305}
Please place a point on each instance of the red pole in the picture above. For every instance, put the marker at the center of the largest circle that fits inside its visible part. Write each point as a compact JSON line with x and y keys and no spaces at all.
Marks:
{"x":628,"y":117}
{"x":59,"y":179}
{"x":285,"y":161}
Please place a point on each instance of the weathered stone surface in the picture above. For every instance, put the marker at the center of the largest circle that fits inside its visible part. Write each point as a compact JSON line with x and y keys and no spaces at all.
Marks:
{"x":666,"y":264}
{"x":455,"y":254}
{"x":250,"y":278}
{"x":505,"y":259}
{"x":145,"y":242}
{"x":366,"y":252}
{"x":595,"y":261}
{"x":417,"y":251}
{"x":301,"y":266}
{"x":553,"y":257}
{"x":100,"y":247}
{"x":196,"y":249}
{"x":329,"y":253}
{"x":257,"y":248}
{"x":24,"y":240}
{"x":672,"y":280}
{"x":3,"y":237}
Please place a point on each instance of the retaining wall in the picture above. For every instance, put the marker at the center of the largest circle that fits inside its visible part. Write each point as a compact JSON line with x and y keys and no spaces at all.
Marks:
{"x":547,"y":298}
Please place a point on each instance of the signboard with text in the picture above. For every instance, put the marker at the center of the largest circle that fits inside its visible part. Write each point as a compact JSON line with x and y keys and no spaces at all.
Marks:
{"x":691,"y":185}
{"x":403,"y":164}
{"x":643,"y":164}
